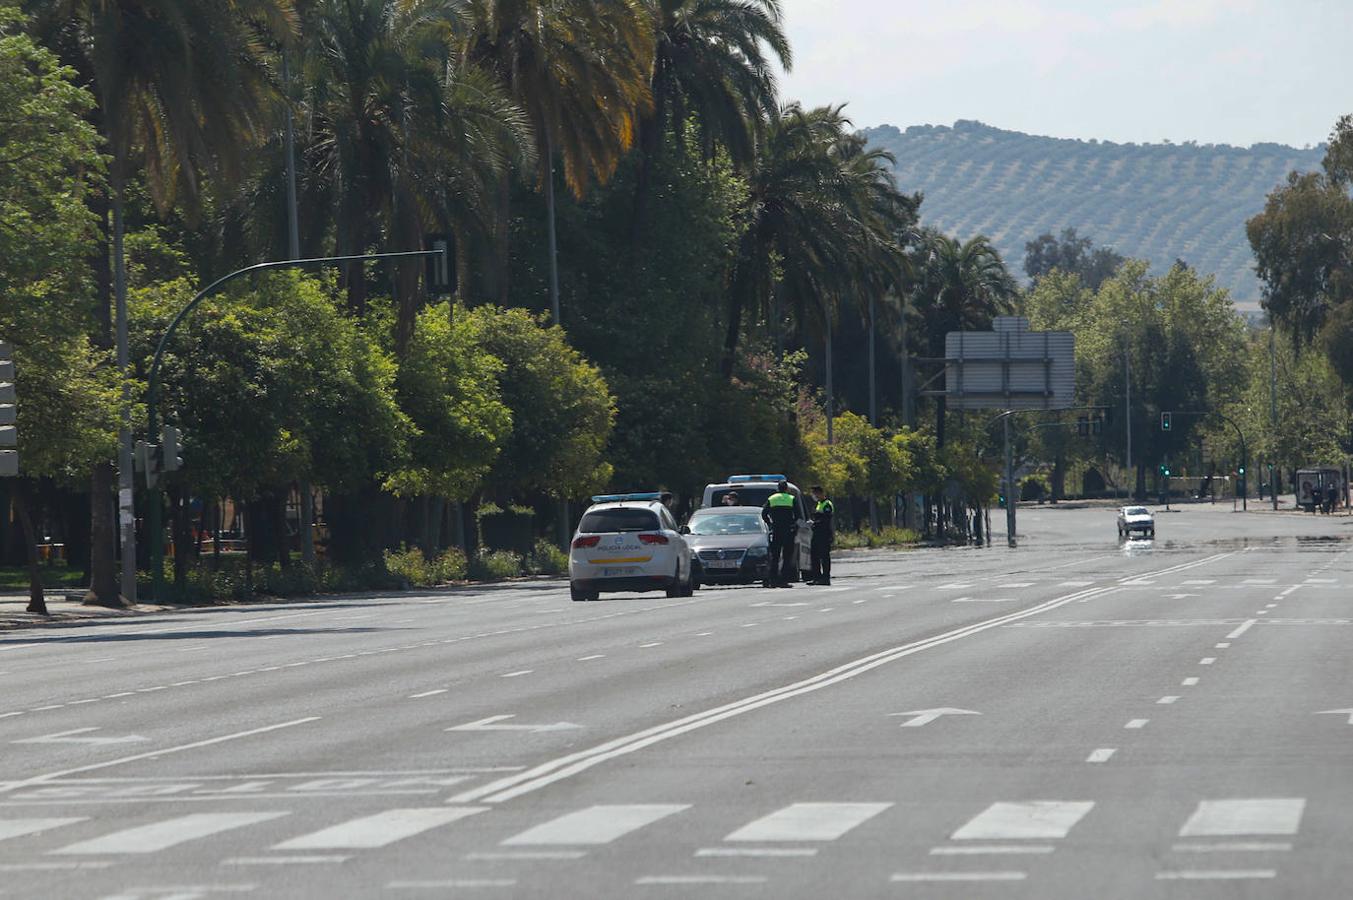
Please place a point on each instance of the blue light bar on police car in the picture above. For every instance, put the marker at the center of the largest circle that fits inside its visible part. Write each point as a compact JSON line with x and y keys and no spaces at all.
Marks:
{"x":743,"y":479}
{"x":625,"y":498}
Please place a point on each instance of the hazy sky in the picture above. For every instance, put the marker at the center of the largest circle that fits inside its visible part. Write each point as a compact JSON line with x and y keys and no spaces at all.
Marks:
{"x":1215,"y":71}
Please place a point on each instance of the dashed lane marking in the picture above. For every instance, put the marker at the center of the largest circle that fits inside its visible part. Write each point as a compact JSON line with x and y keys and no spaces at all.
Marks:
{"x":1103,"y":754}
{"x":379,"y":830}
{"x":1165,"y":701}
{"x":1189,"y":682}
{"x":808,"y":822}
{"x":159,"y":836}
{"x":1207,"y":660}
{"x":592,"y":657}
{"x":600,"y":824}
{"x":428,"y":694}
{"x":517,"y":674}
{"x":1216,"y":874}
{"x":910,"y":877}
{"x":1136,"y":723}
{"x":1030,"y":820}
{"x":1250,"y":816}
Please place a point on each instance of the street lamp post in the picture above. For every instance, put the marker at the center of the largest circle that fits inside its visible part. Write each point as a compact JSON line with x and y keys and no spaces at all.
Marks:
{"x":154,"y":515}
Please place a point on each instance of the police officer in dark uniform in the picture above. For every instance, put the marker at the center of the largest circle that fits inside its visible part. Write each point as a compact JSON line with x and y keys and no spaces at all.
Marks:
{"x":824,"y":531}
{"x":784,"y":529}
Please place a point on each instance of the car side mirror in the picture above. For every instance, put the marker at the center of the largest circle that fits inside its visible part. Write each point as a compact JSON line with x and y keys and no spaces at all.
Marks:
{"x":684,"y":529}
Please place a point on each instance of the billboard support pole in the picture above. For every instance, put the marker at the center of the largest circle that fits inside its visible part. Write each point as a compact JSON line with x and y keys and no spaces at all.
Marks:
{"x":1010,"y":499}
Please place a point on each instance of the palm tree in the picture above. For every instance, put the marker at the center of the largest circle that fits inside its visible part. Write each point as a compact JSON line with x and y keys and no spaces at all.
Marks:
{"x":183,"y":87}
{"x":821,"y":214}
{"x":712,"y":64}
{"x":406,"y":133}
{"x":580,"y":70}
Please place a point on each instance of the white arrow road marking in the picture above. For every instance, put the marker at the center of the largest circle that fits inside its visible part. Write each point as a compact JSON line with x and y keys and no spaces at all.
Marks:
{"x":69,"y":737}
{"x":1337,"y":712}
{"x":492,"y":724}
{"x":926,"y":716}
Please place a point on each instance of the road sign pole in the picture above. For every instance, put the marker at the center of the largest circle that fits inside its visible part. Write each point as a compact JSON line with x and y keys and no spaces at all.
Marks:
{"x":1010,"y":498}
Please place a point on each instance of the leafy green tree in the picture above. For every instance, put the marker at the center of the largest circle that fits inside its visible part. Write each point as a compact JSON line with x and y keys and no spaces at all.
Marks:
{"x":182,"y":89}
{"x":448,"y":387}
{"x":1073,"y":254}
{"x":562,"y":409}
{"x":48,"y":163}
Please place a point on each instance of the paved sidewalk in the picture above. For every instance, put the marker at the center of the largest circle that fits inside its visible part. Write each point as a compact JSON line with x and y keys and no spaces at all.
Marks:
{"x":13,"y":612}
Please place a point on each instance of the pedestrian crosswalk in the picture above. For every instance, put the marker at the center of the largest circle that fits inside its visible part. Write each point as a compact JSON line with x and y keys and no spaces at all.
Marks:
{"x":1000,"y":828}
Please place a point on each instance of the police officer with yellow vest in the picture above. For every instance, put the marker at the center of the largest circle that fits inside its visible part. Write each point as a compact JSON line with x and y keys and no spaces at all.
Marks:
{"x":780,"y":516}
{"x":824,"y":531}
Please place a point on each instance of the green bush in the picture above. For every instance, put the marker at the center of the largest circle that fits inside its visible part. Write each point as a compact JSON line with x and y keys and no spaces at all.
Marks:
{"x":409,"y":566}
{"x":547,"y":559}
{"x":495,"y":564}
{"x":451,"y":565}
{"x":888,"y":536}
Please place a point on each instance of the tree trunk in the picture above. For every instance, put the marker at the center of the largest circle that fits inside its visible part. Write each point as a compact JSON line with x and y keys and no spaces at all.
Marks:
{"x":731,"y":336}
{"x":180,"y":526}
{"x":502,"y":262}
{"x":37,"y":603}
{"x":547,"y":164}
{"x":103,"y":589}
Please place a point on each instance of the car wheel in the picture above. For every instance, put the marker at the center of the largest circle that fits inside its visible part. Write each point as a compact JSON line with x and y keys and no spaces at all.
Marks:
{"x":578,"y":594}
{"x":695,"y":577}
{"x":674,"y":588}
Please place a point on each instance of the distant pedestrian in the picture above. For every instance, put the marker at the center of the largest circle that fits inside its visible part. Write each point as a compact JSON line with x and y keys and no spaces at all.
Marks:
{"x":1331,"y":498}
{"x":824,"y":531}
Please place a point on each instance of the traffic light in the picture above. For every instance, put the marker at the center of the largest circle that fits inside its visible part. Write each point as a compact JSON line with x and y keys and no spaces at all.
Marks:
{"x":1164,"y":421}
{"x":170,"y":447}
{"x":9,"y":413}
{"x":1241,"y":471}
{"x":147,"y":461}
{"x":440,"y":270}
{"x":1165,"y":470}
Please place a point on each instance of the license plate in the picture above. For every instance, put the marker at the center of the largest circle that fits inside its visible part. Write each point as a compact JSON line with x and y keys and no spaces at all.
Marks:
{"x":722,"y":563}
{"x":619,"y":571}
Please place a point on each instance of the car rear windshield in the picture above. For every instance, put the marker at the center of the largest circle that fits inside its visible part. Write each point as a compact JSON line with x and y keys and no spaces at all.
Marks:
{"x":727,"y":523}
{"x":1136,"y":511}
{"x":620,"y":518}
{"x":746,"y":496}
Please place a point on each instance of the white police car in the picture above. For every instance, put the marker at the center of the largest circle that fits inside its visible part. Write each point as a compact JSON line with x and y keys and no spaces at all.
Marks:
{"x":629,"y":542}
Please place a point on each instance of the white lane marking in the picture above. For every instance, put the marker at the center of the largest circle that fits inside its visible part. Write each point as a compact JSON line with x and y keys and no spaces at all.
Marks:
{"x":6,"y":787}
{"x":1103,"y":754}
{"x":680,"y":880}
{"x":1234,"y":847}
{"x":1289,"y":590}
{"x":73,"y":737}
{"x":833,"y":590}
{"x":11,"y":828}
{"x":1024,"y":584}
{"x":750,"y":624}
{"x":790,"y":618}
{"x":282,"y":860}
{"x":1027,"y":820}
{"x":1165,"y":701}
{"x":445,"y":883}
{"x":1199,"y":581}
{"x":53,"y":866}
{"x":1136,"y":723}
{"x":953,"y":586}
{"x":983,"y":600}
{"x":924,"y":717}
{"x":1138,"y":582}
{"x":1188,"y":682}
{"x":908,"y":877}
{"x":652,"y":644}
{"x":858,"y":602}
{"x":808,"y":822}
{"x":1216,"y":874}
{"x":1321,"y":581}
{"x":1259,"y":815}
{"x":380,"y":829}
{"x":770,"y":852}
{"x":703,"y":633}
{"x":428,"y":693}
{"x":827,"y":609}
{"x":1260,"y":581}
{"x":1223,"y":645}
{"x":1075,"y":584}
{"x":595,"y":825}
{"x":499,"y":723}
{"x":1337,"y":712}
{"x":527,"y":854}
{"x":995,"y":849}
{"x":518,"y":673}
{"x":170,"y":833}
{"x":592,"y":657}
{"x":1207,"y":660}
{"x":893,"y":587}
{"x":558,"y":769}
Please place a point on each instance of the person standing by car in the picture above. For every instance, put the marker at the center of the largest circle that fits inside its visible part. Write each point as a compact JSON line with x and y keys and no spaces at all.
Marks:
{"x":784,"y":528}
{"x":824,"y":531}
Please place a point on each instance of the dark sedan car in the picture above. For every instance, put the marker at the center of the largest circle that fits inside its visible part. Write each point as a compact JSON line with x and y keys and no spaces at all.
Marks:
{"x":731,"y":543}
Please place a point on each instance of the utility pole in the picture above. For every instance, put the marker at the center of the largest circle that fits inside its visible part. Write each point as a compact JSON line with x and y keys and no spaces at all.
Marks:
{"x":1273,"y":404}
{"x":873,"y":408}
{"x":1127,"y":411}
{"x":294,"y":251}
{"x":1010,"y":498}
{"x":126,"y":475}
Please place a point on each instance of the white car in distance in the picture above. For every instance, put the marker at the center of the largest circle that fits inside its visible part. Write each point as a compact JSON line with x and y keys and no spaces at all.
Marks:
{"x":1138,"y":519}
{"x":629,"y":542}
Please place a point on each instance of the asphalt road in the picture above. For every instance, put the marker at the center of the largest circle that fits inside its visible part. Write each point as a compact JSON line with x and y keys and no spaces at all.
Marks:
{"x":1076,"y":718}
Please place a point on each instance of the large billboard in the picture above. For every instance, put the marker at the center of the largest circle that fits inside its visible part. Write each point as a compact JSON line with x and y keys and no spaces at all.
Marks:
{"x":1010,"y":367}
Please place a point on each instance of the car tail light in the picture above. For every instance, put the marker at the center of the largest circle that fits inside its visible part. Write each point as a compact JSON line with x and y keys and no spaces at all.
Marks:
{"x":586,"y":541}
{"x":653,"y":538}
